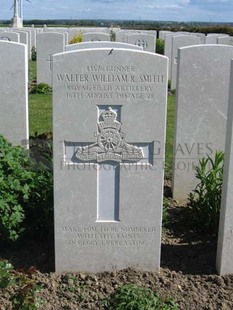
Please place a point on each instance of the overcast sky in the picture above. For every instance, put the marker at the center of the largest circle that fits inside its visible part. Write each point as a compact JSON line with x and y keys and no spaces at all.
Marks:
{"x":176,"y":10}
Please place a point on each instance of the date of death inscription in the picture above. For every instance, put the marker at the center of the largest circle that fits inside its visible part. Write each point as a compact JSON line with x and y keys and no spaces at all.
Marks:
{"x":110,"y":82}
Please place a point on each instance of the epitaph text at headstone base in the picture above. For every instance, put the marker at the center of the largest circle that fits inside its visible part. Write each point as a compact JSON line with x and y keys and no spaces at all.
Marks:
{"x":14,"y":92}
{"x":225,"y":233}
{"x":109,"y":124}
{"x":202,"y":100}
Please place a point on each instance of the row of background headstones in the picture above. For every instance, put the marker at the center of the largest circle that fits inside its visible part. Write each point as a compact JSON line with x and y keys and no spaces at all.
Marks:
{"x":202,"y":99}
{"x":55,"y":40}
{"x":127,"y":36}
{"x":89,"y":34}
{"x":175,"y":40}
{"x":52,"y":43}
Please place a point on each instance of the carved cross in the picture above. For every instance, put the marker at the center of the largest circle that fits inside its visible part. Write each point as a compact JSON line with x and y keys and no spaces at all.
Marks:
{"x":50,"y":61}
{"x":110,"y":151}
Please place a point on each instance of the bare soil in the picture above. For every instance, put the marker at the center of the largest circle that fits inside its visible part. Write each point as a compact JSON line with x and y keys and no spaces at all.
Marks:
{"x":187,"y":273}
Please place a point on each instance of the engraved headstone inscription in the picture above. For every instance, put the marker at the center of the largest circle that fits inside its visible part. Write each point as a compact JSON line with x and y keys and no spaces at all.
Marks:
{"x":109,"y":124}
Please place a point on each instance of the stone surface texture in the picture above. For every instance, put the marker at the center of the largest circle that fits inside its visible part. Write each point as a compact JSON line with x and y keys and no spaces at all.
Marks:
{"x":178,"y":42}
{"x":202,"y":100}
{"x":146,"y":41}
{"x":100,"y":44}
{"x":14,"y":92}
{"x":95,"y":36}
{"x":225,"y":235}
{"x":48,"y":43}
{"x":108,"y":174}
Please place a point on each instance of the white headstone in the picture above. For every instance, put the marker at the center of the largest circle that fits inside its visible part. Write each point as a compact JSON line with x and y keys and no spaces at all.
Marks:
{"x":200,"y":35}
{"x":9,"y":36}
{"x":100,"y":44}
{"x":95,"y":36}
{"x":202,"y":100}
{"x":225,"y":40}
{"x":23,"y":38}
{"x":212,"y":38}
{"x":225,"y":235}
{"x":59,"y":30}
{"x":120,"y":36}
{"x":29,"y":31}
{"x":14,"y":92}
{"x":109,"y":126}
{"x":178,"y":42}
{"x":147,"y":42}
{"x":48,"y":43}
{"x":168,"y":51}
{"x":163,"y":33}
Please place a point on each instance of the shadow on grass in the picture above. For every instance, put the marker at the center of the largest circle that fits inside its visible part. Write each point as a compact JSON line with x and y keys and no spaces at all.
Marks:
{"x":185,"y":249}
{"x":28,"y":253}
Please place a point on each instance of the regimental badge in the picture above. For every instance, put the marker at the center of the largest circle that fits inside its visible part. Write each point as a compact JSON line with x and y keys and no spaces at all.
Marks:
{"x":110,"y":144}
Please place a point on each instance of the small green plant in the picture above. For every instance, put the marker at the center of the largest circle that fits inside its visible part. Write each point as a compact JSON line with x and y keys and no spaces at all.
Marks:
{"x":71,"y":285}
{"x":160,"y":46}
{"x":133,"y":297}
{"x":26,"y":295}
{"x":26,"y":192}
{"x":205,"y":200}
{"x":26,"y":289}
{"x":76,"y":39}
{"x":6,"y":274}
{"x":33,"y":53}
{"x":41,"y":88}
{"x":113,"y":35}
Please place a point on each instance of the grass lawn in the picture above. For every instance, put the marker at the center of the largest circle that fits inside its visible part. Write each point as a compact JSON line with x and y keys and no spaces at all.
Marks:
{"x":40,"y":113}
{"x":40,"y":117}
{"x":31,"y":70}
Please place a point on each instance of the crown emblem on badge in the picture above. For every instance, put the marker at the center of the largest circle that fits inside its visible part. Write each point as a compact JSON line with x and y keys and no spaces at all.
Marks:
{"x":109,"y":114}
{"x":110,"y":144}
{"x":109,"y":120}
